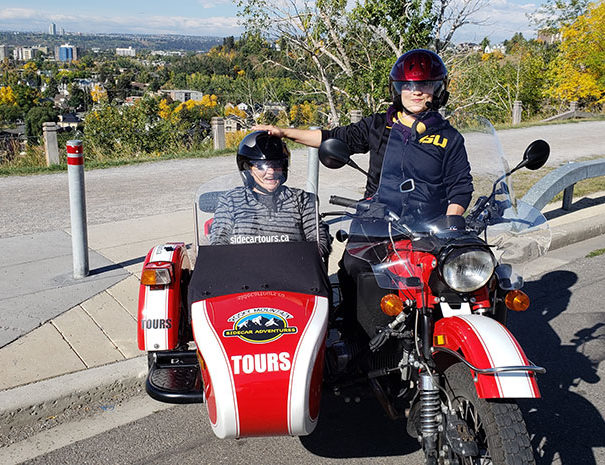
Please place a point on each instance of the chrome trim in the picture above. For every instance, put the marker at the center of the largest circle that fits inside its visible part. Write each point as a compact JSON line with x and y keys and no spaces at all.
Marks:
{"x":490,"y":371}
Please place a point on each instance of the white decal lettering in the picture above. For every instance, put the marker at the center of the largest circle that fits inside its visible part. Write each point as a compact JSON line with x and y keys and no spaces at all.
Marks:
{"x":260,"y":363}
{"x":284,"y":359}
{"x":236,"y":359}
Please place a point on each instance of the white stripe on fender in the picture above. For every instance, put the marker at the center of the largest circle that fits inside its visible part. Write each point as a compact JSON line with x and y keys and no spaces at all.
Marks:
{"x":219,"y":367}
{"x":501,"y":351}
{"x":156,"y":304}
{"x":303,"y":362}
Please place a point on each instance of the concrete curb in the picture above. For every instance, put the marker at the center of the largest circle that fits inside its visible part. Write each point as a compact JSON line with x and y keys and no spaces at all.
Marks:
{"x":25,"y":410}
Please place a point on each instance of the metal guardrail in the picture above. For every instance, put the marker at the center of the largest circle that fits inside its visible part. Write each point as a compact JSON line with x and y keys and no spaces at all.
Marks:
{"x":563,"y":179}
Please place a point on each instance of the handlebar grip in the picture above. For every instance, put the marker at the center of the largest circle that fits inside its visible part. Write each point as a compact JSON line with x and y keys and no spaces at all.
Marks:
{"x":342,"y":201}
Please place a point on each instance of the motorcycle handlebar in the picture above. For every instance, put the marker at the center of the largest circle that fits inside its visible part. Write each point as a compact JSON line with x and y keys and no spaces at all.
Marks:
{"x":343,"y":202}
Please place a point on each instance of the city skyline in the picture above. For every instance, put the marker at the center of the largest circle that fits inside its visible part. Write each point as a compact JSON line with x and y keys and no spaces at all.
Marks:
{"x":210,"y":18}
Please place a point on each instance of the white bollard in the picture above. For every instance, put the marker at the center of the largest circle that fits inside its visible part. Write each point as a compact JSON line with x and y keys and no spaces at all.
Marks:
{"x":312,"y":167}
{"x":77,"y":208}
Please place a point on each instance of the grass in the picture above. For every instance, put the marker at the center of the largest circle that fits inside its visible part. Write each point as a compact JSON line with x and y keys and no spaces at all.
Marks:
{"x":596,"y":253}
{"x":523,"y":180}
{"x":34,"y":162}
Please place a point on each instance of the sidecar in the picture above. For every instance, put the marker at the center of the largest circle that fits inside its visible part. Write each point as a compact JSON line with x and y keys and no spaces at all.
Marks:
{"x":243,"y":330}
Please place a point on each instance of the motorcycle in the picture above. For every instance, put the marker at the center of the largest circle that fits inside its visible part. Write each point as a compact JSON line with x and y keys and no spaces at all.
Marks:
{"x":256,"y":330}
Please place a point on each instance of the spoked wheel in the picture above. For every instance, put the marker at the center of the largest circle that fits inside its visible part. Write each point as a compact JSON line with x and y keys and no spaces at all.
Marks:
{"x":496,"y":426}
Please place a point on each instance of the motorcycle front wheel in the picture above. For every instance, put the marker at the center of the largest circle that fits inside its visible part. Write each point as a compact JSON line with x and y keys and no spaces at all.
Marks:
{"x":497,"y":425}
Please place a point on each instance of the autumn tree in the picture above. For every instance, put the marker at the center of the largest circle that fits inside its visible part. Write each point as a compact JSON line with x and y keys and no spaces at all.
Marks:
{"x":578,"y":72}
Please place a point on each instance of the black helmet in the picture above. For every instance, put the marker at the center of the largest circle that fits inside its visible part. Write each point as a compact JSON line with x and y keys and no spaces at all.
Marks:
{"x":260,"y":146}
{"x":423,"y":69}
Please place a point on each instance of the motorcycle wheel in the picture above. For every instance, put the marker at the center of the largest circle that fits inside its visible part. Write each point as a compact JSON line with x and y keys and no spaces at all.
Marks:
{"x":497,"y":425}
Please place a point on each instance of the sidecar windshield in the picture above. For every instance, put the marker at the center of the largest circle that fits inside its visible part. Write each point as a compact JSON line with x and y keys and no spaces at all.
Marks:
{"x":397,"y":221}
{"x":230,"y":213}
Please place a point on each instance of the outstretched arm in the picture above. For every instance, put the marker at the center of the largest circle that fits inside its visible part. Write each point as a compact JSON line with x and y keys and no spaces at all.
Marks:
{"x":308,"y":137}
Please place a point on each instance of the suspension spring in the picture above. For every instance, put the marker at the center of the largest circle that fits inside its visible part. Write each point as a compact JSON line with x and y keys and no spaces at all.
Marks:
{"x":430,"y":405}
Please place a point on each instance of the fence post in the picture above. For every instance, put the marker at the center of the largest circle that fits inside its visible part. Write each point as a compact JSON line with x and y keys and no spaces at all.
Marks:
{"x":51,"y":147}
{"x":517,"y":109}
{"x":355,"y":116}
{"x":218,"y":132}
{"x":77,"y":208}
{"x":573,"y":106}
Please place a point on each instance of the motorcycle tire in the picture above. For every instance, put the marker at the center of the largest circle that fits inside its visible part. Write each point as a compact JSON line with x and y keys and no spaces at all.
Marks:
{"x":497,"y":425}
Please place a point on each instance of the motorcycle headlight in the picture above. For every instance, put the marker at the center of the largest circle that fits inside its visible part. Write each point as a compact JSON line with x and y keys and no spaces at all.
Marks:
{"x":468,"y":269}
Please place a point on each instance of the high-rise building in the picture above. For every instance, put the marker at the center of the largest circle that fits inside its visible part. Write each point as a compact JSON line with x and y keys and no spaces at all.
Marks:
{"x":66,"y":52}
{"x":3,"y":52}
{"x":126,"y":52}
{"x":52,"y":29}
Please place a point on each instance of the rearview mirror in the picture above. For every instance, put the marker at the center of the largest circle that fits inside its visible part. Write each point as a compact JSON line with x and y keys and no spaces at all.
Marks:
{"x":334,"y":153}
{"x":536,"y":154}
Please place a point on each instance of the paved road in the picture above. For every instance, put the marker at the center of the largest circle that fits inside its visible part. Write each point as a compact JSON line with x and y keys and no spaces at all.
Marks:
{"x":563,"y":331}
{"x":32,"y":204}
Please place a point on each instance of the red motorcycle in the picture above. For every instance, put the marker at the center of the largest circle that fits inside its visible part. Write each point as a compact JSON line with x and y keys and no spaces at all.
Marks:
{"x":256,"y":331}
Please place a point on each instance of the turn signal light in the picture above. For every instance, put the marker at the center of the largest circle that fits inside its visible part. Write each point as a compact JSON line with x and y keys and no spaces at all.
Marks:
{"x":517,"y":301}
{"x":157,"y":274}
{"x":391,"y":304}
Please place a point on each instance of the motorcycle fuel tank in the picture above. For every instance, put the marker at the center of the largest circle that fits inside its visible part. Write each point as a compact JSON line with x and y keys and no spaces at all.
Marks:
{"x":261,"y":355}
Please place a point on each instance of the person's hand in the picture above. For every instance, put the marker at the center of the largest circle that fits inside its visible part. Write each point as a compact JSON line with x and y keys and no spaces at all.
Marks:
{"x":272,"y":130}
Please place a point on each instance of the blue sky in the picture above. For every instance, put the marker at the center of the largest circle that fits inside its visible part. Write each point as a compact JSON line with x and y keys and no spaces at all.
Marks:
{"x":206,"y":17}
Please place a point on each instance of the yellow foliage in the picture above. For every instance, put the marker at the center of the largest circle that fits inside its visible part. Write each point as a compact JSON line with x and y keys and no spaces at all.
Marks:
{"x":30,"y":66}
{"x":231,"y":110}
{"x":7,"y":96}
{"x":241,"y":72}
{"x":98,"y":93}
{"x":233,"y":139}
{"x":578,"y":72}
{"x":303,"y":114}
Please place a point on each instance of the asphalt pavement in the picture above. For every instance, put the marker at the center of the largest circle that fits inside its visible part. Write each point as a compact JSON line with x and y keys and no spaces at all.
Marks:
{"x":65,"y":343}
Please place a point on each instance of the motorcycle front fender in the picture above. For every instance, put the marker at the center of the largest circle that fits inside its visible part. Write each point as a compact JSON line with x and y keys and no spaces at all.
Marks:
{"x":486,"y":344}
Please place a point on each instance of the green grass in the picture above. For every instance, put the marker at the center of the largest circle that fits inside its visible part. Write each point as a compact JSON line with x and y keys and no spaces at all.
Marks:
{"x":596,"y":253}
{"x":22,"y":169}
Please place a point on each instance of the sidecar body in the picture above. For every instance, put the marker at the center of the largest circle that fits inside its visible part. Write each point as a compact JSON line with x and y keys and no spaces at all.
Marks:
{"x":244,"y":331}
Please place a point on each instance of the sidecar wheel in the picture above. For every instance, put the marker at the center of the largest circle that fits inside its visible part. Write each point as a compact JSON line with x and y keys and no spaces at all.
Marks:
{"x":497,"y":425}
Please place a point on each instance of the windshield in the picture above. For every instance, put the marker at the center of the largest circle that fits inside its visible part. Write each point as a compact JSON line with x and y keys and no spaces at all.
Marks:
{"x":408,"y":211}
{"x":230,"y":213}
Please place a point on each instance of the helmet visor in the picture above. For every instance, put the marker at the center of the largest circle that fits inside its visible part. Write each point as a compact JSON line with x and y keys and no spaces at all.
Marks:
{"x":426,"y":87}
{"x":264,"y":165}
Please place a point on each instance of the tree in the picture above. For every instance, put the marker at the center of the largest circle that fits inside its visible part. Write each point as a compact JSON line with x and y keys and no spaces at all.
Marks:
{"x":578,"y":72}
{"x":554,"y":14}
{"x":35,"y":119}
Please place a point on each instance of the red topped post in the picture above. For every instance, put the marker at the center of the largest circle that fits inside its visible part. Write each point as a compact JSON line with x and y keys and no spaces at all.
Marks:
{"x":77,"y":208}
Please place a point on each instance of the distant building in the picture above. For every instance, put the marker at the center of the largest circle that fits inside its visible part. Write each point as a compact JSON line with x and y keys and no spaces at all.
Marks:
{"x":24,"y":53}
{"x":66,"y":52}
{"x":547,"y":36}
{"x":52,"y":29}
{"x":69,"y":120}
{"x":3,"y":52}
{"x":183,"y":95}
{"x":126,"y":52}
{"x":495,"y":48}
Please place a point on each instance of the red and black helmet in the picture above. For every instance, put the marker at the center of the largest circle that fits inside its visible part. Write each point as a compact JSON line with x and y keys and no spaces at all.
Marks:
{"x":423,"y":69}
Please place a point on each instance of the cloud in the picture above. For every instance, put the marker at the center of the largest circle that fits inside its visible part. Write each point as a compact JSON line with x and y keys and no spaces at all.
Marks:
{"x":27,"y":19}
{"x":501,"y":19}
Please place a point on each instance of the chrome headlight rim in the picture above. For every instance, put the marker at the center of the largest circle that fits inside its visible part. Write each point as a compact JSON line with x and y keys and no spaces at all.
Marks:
{"x":454,"y":259}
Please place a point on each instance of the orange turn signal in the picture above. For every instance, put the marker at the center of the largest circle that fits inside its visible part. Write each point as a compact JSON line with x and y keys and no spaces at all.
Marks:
{"x":157,"y":274}
{"x":439,"y":340}
{"x":391,"y":304}
{"x":517,"y":301}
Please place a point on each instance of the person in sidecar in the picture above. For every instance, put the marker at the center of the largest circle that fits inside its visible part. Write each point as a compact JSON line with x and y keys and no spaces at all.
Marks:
{"x":265,"y":209}
{"x":410,"y":141}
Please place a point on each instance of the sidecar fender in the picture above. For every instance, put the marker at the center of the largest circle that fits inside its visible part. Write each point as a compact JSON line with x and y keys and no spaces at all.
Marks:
{"x":485,"y":343}
{"x":159,"y":311}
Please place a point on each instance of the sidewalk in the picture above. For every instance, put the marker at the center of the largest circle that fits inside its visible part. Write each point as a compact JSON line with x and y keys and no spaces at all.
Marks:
{"x":88,"y":351}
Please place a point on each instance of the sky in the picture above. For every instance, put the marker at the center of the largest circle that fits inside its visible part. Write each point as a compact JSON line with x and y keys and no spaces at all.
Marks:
{"x":208,"y":17}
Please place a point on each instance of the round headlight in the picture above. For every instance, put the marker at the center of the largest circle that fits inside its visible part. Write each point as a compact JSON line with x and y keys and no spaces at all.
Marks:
{"x":468,"y":269}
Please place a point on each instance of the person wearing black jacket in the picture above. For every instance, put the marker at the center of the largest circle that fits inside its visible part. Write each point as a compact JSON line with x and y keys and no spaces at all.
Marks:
{"x":410,"y":141}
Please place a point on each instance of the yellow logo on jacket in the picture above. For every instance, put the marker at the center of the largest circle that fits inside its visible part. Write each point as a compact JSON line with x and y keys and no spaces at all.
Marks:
{"x":434,"y":139}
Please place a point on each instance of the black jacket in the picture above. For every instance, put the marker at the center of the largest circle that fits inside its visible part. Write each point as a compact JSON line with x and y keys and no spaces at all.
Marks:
{"x":436,"y":159}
